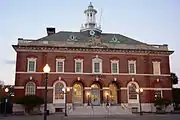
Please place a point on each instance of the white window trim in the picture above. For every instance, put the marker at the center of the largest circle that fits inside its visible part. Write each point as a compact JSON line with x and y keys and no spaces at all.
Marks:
{"x":81,"y":61}
{"x":27,"y":92}
{"x":59,"y":60}
{"x":58,"y":100}
{"x":97,"y":60}
{"x":132,"y":100}
{"x":117,"y":62}
{"x":159,"y":69}
{"x":31,"y":59}
{"x":132,"y":62}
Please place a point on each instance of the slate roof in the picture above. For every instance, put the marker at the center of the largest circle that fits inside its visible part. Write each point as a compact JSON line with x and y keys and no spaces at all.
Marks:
{"x":83,"y":37}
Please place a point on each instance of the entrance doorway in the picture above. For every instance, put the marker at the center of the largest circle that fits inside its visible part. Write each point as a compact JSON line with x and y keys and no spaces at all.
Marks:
{"x":77,"y":97}
{"x":95,"y":94}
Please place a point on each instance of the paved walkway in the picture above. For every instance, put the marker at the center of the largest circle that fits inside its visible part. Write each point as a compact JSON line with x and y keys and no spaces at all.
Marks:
{"x":118,"y":117}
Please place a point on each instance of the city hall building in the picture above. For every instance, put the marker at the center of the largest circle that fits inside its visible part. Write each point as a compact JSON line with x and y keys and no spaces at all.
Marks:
{"x":97,"y":68}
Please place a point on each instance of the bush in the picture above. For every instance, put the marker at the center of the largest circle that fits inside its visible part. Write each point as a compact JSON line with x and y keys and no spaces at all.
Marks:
{"x":161,"y":103}
{"x":30,"y":101}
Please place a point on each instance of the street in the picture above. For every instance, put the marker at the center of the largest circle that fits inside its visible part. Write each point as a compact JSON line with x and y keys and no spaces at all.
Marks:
{"x":119,"y":117}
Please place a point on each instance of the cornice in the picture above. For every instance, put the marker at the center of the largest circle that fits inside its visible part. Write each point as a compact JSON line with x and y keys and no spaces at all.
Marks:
{"x":24,"y":48}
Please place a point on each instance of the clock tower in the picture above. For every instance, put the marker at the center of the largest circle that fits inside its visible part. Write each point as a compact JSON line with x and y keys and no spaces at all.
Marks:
{"x":90,"y":25}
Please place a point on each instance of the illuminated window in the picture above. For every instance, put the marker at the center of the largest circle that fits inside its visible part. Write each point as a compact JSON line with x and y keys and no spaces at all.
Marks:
{"x":59,"y":93}
{"x":77,"y":93}
{"x":132,"y":91}
{"x":30,"y":88}
{"x":113,"y":93}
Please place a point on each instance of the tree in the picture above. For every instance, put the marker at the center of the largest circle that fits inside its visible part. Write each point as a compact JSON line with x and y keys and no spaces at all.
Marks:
{"x":176,"y":97}
{"x":174,"y":78}
{"x":30,"y":102}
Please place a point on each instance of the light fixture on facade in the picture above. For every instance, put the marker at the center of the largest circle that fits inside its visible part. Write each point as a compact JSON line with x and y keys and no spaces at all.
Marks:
{"x":97,"y":78}
{"x":132,"y":79}
{"x":59,"y":78}
{"x":78,"y":78}
{"x":157,"y":80}
{"x":115,"y":79}
{"x":30,"y":78}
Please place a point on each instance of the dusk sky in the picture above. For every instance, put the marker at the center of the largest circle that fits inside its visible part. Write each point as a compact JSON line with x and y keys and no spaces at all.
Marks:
{"x":149,"y":21}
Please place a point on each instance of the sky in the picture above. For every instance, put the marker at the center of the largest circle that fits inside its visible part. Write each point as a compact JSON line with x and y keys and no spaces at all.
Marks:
{"x":149,"y":21}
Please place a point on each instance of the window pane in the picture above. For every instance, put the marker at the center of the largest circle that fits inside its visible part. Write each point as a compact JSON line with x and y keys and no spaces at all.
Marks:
{"x":132,"y":92}
{"x":114,"y":68}
{"x":32,"y":66}
{"x":78,"y":67}
{"x":60,"y":66}
{"x":96,"y":67}
{"x":59,"y":93}
{"x":30,"y":88}
{"x":131,"y":68}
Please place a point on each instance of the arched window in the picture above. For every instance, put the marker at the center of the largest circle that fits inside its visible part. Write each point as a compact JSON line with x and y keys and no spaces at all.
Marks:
{"x":59,"y":93}
{"x":30,"y":88}
{"x":132,"y":91}
{"x":77,"y":93}
{"x":113,"y":93}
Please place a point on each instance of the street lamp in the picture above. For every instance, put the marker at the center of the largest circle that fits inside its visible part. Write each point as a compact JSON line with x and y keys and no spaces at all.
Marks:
{"x":46,"y":70}
{"x":6,"y":100}
{"x":88,"y":97}
{"x":139,"y":91}
{"x":65,"y":99}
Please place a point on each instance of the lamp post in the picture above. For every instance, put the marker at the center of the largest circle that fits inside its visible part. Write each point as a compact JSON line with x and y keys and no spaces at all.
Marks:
{"x":65,"y":99}
{"x":46,"y":70}
{"x":88,"y":97}
{"x":139,"y":91}
{"x":6,"y":100}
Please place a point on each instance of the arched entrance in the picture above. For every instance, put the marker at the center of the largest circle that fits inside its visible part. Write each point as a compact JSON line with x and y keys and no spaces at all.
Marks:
{"x":132,"y":94}
{"x":77,"y":96}
{"x":58,"y":93}
{"x":113,"y":93}
{"x":95,"y":94}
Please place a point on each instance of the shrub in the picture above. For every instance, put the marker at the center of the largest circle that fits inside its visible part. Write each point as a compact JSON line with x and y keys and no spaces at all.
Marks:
{"x":30,"y":101}
{"x":161,"y":103}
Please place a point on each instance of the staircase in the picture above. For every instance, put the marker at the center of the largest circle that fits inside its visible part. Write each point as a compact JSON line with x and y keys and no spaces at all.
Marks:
{"x":81,"y":110}
{"x":98,"y":110}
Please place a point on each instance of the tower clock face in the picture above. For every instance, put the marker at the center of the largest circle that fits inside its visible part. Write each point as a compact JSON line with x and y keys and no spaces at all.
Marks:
{"x":91,"y":32}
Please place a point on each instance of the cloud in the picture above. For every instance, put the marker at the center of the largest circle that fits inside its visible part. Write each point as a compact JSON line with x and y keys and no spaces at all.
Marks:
{"x":11,"y":62}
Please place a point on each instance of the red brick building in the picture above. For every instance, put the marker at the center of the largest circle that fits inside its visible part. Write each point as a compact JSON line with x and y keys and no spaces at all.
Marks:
{"x":97,"y":67}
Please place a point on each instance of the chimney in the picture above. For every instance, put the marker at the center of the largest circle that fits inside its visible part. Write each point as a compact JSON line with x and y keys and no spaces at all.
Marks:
{"x":50,"y":31}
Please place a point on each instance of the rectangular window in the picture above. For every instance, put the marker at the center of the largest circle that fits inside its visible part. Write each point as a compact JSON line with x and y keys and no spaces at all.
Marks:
{"x":156,"y":68}
{"x":158,"y":94}
{"x":132,"y":67}
{"x":97,"y":67}
{"x":31,"y":65}
{"x":114,"y":66}
{"x":60,"y":65}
